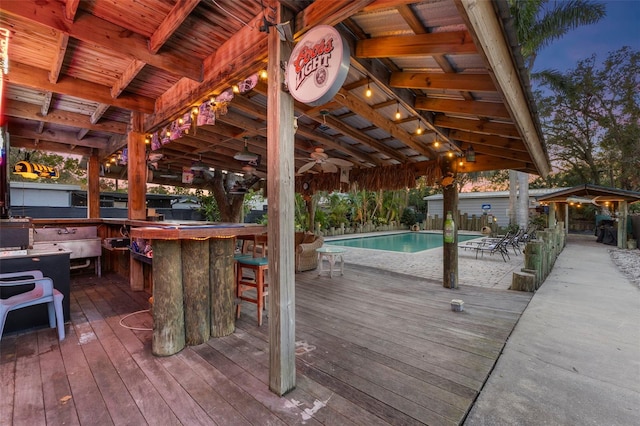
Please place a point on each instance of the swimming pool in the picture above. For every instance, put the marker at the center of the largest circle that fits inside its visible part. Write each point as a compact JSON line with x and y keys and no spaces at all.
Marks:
{"x":409,"y":242}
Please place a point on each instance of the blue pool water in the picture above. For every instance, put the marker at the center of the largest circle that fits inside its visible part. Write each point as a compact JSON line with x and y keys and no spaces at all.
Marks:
{"x":410,"y":242}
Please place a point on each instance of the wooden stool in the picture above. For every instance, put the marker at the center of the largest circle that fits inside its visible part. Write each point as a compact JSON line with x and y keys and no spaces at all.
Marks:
{"x":259,"y":266}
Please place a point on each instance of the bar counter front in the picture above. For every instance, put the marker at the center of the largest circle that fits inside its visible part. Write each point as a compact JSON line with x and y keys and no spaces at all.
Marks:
{"x":193,"y":281}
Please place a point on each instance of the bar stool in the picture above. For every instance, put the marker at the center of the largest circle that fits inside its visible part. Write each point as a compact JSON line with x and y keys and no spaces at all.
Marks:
{"x":259,"y":266}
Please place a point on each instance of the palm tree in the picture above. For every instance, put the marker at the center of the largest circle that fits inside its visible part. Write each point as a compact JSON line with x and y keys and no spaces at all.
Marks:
{"x":539,"y":23}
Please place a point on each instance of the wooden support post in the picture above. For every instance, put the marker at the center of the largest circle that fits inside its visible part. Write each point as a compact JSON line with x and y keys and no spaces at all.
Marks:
{"x":93,"y":187}
{"x":195,"y":284}
{"x":533,"y":259}
{"x":450,"y":250}
{"x":623,"y":211}
{"x":280,"y":163}
{"x":222,"y":284}
{"x":168,"y":299}
{"x":523,"y":281}
{"x":137,"y":169}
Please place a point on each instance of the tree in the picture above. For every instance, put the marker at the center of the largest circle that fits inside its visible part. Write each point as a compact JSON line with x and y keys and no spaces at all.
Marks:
{"x":538,"y":23}
{"x":230,"y":203}
{"x":592,"y":120}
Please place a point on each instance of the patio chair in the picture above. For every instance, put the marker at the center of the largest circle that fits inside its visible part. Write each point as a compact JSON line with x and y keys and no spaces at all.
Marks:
{"x":490,"y":245}
{"x":42,"y":292}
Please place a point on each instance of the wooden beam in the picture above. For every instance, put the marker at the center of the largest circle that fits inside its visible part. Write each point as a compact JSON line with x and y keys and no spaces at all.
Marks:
{"x":487,"y":29}
{"x":94,"y":30}
{"x":454,"y":42}
{"x":137,"y":170}
{"x":27,"y":143}
{"x":472,"y":108}
{"x":57,"y":136}
{"x":65,"y":118}
{"x":478,"y":126}
{"x":126,"y":78}
{"x":280,"y":143}
{"x":70,"y":9}
{"x":56,"y":66}
{"x":93,"y":187}
{"x":327,"y":12}
{"x":25,"y":75}
{"x":98,"y":113}
{"x":445,"y":81}
{"x":362,"y":109}
{"x":46,"y":103}
{"x":171,"y":23}
{"x":495,"y":141}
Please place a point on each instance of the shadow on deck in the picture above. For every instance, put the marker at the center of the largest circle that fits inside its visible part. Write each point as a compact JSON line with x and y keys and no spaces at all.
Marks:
{"x":373,"y":347}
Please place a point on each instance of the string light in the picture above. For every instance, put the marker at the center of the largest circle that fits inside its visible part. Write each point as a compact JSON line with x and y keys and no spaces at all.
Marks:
{"x":398,"y":116}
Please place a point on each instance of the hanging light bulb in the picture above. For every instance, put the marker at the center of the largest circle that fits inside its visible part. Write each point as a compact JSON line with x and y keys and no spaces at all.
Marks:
{"x":368,"y":92}
{"x":398,"y":116}
{"x":419,"y":130}
{"x":436,"y":144}
{"x":235,"y":88}
{"x":263,"y":74}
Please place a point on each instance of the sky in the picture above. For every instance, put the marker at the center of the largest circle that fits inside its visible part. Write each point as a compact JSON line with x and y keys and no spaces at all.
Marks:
{"x":620,"y":27}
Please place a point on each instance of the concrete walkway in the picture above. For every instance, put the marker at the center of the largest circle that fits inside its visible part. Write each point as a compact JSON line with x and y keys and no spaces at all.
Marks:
{"x":574,"y":356}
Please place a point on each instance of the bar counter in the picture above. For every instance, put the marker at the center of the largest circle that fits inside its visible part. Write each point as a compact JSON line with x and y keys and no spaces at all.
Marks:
{"x":193,"y":281}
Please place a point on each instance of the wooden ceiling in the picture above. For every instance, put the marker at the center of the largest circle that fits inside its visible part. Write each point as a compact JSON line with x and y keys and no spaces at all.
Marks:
{"x":77,"y":69}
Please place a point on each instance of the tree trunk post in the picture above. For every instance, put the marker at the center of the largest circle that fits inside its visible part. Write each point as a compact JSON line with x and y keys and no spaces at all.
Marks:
{"x":195,"y":282}
{"x":168,"y":308}
{"x":222,"y":284}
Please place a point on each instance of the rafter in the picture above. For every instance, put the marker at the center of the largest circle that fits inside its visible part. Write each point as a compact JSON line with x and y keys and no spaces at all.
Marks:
{"x":25,"y":75}
{"x":472,"y":108}
{"x":94,"y":30}
{"x":458,"y":42}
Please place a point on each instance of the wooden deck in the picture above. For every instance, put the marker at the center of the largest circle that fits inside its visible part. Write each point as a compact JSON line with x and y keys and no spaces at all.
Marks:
{"x":373,"y":348}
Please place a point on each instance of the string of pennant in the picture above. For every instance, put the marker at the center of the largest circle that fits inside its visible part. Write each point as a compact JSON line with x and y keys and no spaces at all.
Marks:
{"x":202,"y":115}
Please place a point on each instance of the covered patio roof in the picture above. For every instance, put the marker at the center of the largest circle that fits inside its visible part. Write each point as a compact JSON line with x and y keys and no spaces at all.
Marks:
{"x":450,"y":68}
{"x":590,"y":193}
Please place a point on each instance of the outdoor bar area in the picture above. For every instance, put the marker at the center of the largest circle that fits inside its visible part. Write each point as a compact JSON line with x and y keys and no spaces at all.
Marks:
{"x":226,"y":97}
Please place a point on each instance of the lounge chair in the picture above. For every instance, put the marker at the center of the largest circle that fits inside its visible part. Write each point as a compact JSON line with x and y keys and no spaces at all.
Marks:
{"x":490,"y":245}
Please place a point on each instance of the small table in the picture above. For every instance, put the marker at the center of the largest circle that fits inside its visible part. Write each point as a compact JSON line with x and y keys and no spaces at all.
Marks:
{"x":330,"y":254}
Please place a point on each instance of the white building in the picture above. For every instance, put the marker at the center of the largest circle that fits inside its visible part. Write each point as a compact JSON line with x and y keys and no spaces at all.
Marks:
{"x":478,"y":203}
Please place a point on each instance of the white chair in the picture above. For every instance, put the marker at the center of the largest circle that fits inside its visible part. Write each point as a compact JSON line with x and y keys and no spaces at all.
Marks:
{"x":43,"y":292}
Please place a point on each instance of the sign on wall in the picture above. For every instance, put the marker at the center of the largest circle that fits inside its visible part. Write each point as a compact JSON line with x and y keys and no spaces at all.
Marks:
{"x":318,"y":66}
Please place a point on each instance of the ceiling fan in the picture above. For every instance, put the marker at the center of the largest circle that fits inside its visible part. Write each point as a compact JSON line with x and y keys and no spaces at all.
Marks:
{"x":328,"y":164}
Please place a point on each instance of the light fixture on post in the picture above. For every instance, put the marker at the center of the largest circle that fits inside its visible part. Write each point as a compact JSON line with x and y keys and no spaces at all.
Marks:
{"x":245,"y":154}
{"x":398,"y":116}
{"x":470,"y":155}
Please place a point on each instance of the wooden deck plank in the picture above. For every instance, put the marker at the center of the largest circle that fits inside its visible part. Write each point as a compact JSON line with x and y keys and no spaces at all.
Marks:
{"x":59,"y":406}
{"x":121,"y":406}
{"x":28,"y":400}
{"x":90,"y":407}
{"x":374,"y":348}
{"x":184,"y":409}
{"x":7,"y":375}
{"x":154,"y":409}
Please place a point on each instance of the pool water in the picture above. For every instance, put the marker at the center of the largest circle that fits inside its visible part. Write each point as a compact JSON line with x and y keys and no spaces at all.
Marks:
{"x":410,"y":242}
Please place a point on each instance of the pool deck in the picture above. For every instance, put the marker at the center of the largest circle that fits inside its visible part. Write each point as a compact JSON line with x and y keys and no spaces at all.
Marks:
{"x":486,"y":271}
{"x":373,"y":347}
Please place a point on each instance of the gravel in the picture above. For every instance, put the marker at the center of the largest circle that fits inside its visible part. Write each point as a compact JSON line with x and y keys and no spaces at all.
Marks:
{"x":628,"y":261}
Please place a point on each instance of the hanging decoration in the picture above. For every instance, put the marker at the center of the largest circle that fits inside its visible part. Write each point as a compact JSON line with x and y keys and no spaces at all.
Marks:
{"x":33,"y":170}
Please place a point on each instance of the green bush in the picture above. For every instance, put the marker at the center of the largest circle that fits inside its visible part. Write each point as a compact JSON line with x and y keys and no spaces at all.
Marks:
{"x":408,"y":217}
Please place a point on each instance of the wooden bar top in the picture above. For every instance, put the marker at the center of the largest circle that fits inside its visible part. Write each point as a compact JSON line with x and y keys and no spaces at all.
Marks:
{"x":182,"y":232}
